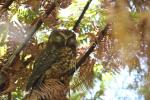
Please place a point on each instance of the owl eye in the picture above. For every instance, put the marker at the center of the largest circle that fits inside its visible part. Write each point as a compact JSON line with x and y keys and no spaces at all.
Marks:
{"x":71,"y":42}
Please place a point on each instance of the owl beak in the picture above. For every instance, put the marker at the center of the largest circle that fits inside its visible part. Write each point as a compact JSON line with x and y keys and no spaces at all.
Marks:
{"x":66,"y":42}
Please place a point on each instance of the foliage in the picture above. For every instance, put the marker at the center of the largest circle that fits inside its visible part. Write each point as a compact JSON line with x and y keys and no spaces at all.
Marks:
{"x":127,"y":41}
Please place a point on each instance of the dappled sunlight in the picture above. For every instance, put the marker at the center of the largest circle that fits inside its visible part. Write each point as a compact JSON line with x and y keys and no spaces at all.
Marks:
{"x":75,"y":49}
{"x":123,"y":86}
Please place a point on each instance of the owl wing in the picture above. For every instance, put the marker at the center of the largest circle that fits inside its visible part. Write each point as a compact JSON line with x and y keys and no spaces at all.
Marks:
{"x":42,"y":63}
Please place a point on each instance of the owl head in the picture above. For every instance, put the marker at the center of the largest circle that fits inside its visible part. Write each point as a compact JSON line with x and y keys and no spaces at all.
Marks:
{"x":62,"y":38}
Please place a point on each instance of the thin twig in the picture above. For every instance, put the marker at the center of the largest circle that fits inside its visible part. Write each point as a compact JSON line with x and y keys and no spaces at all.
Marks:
{"x":81,"y":16}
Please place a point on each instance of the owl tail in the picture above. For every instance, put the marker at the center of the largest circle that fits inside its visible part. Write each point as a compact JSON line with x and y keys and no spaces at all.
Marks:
{"x":34,"y":83}
{"x":50,"y":89}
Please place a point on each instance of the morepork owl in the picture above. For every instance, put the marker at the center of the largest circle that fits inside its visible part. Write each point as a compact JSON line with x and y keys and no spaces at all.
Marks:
{"x":58,"y":57}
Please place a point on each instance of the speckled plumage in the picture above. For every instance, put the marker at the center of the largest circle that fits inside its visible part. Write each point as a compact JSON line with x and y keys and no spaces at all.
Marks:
{"x":58,"y":56}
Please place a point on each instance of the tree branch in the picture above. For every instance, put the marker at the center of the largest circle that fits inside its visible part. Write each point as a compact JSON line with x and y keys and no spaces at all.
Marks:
{"x":9,"y":96}
{"x":30,"y":34}
{"x":81,"y":16}
{"x":88,"y":52}
{"x":5,"y":6}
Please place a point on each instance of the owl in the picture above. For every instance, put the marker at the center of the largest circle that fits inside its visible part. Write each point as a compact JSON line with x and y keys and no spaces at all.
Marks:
{"x":58,"y":56}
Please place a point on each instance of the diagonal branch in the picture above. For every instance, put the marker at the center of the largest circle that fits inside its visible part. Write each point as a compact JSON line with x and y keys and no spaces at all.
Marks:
{"x":30,"y":32}
{"x":88,"y":52}
{"x":6,"y":6}
{"x":81,"y":16}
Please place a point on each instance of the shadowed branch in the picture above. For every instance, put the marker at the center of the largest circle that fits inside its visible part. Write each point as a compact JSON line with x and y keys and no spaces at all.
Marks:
{"x":5,"y":6}
{"x":81,"y":16}
{"x":30,"y":32}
